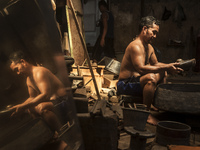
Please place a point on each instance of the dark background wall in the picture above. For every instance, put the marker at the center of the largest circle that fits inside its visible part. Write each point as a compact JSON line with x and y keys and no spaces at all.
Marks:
{"x":178,"y":31}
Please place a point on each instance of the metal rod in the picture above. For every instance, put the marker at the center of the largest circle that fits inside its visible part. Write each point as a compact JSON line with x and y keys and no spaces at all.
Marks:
{"x":87,"y":83}
{"x":85,"y":49}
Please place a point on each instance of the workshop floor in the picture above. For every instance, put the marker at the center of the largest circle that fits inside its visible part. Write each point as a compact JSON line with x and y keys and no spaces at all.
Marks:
{"x":151,"y":144}
{"x":191,"y":120}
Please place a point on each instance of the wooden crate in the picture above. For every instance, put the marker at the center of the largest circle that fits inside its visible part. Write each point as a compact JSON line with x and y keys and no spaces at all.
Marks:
{"x":84,"y":71}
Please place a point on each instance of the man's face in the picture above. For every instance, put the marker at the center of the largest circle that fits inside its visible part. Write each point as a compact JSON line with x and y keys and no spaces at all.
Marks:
{"x":151,"y":33}
{"x":18,"y":67}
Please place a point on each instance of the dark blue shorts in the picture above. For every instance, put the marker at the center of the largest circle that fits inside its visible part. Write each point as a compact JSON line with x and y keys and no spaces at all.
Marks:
{"x":130,"y":86}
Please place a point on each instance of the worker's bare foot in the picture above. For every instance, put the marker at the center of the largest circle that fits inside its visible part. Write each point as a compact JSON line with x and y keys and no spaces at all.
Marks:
{"x":152,"y":120}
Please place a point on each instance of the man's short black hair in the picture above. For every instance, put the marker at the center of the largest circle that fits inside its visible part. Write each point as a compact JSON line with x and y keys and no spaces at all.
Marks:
{"x":148,"y":21}
{"x":16,"y":56}
{"x":103,"y":3}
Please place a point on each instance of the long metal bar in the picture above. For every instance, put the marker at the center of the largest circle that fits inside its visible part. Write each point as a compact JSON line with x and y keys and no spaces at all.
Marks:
{"x":85,"y":49}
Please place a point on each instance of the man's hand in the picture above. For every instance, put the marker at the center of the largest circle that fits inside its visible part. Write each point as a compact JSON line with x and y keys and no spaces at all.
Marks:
{"x":174,"y":69}
{"x":18,"y":108}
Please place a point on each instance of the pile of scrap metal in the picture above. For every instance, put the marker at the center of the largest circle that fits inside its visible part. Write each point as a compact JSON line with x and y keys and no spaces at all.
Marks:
{"x":98,"y":121}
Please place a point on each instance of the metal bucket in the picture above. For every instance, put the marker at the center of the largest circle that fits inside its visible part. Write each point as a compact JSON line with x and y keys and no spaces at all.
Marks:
{"x":172,"y":133}
{"x":136,"y":118}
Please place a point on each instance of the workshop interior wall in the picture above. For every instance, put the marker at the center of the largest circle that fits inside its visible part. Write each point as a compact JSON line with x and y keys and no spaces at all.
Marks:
{"x":183,"y":30}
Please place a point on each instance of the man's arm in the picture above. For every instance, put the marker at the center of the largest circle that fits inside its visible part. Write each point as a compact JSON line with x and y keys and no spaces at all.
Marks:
{"x":31,"y":91}
{"x":138,"y":61}
{"x":21,"y":107}
{"x":171,"y":68}
{"x":44,"y":86}
{"x":105,"y":28}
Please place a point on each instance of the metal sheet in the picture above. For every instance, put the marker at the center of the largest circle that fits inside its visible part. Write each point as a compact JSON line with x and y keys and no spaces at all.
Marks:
{"x":111,"y":65}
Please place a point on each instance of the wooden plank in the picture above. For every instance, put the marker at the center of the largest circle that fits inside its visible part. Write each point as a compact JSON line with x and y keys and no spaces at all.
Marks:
{"x":109,"y":83}
{"x":84,"y":70}
{"x":99,"y":81}
{"x":179,"y":147}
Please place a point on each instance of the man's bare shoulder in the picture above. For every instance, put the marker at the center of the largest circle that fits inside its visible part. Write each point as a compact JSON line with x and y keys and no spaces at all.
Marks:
{"x":134,"y":46}
{"x":39,"y":71}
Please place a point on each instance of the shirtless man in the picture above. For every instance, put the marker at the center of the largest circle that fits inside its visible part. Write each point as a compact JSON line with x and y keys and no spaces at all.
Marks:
{"x":140,"y":70}
{"x":43,"y":86}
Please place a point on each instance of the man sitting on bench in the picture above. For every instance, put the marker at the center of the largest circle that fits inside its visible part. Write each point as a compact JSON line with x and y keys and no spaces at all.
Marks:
{"x":140,"y":70}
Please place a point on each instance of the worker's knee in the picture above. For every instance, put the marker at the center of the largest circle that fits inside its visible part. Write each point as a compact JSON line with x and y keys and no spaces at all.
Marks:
{"x":44,"y":107}
{"x":40,"y":109}
{"x":151,"y":79}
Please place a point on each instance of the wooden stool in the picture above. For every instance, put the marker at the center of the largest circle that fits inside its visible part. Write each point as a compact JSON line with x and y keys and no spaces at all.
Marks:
{"x":126,"y":100}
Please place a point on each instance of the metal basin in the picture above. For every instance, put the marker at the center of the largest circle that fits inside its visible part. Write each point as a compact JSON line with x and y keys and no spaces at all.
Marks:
{"x":178,"y":97}
{"x":172,"y":133}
